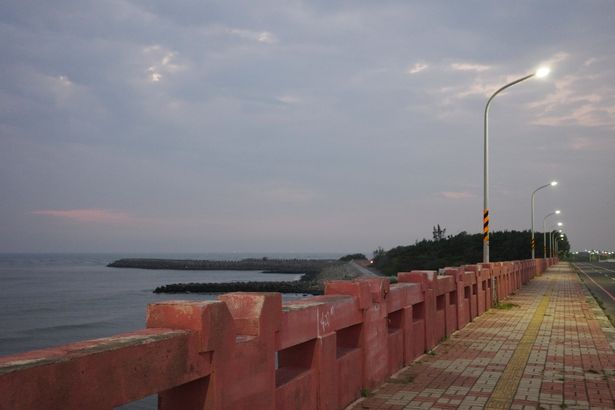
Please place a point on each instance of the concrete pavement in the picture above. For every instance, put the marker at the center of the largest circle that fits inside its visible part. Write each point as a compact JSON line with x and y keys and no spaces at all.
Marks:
{"x":553,"y":348}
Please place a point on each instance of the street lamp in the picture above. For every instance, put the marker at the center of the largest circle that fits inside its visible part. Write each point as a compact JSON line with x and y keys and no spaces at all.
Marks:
{"x":540,"y":73}
{"x":561,"y":236}
{"x":544,"y":232}
{"x":551,"y":238}
{"x":533,"y":243}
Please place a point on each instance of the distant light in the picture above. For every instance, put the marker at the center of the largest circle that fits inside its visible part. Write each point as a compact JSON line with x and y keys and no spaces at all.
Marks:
{"x":557,"y":211}
{"x":559,"y":224}
{"x":542,"y":72}
{"x":553,"y":183}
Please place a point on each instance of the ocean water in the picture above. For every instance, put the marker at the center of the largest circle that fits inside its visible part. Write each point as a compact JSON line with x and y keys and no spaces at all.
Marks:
{"x":52,"y":299}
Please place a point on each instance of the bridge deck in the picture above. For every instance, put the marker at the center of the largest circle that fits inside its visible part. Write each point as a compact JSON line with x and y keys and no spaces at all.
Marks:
{"x":553,"y":349}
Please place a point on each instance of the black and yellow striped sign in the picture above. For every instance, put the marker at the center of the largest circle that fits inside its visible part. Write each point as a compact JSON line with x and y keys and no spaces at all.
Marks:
{"x":533,"y":243}
{"x":486,"y":225}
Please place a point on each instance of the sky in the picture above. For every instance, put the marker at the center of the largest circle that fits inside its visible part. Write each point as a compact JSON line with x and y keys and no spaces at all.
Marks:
{"x":300,"y":126}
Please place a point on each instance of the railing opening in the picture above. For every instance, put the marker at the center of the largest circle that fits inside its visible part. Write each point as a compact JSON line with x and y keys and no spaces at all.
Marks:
{"x":394,"y":321}
{"x":440,"y":302}
{"x":348,"y":339}
{"x":452,"y":298}
{"x":418,"y":312}
{"x":293,"y":361}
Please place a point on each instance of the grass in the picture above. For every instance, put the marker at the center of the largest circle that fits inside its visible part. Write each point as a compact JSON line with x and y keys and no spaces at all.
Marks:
{"x":506,"y":306}
{"x":402,"y":379}
{"x":366,"y":393}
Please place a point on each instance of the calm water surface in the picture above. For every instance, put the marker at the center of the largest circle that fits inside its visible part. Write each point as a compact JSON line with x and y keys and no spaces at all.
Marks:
{"x":46,"y":300}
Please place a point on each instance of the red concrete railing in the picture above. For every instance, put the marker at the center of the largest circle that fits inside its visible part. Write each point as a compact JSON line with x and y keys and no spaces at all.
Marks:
{"x":251,"y":351}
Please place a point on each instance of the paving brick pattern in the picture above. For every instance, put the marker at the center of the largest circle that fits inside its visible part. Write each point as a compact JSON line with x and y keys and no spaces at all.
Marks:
{"x":569,"y":362}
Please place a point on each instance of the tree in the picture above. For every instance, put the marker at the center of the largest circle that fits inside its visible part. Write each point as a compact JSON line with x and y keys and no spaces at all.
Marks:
{"x":455,"y":250}
{"x":378,"y":252}
{"x":438,"y":233}
{"x":353,"y":257}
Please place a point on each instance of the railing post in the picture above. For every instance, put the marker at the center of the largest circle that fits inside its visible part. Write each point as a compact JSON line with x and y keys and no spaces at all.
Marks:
{"x":375,"y":332}
{"x":342,"y":386}
{"x":251,"y":382}
{"x":426,"y":279}
{"x":463,"y":316}
{"x":213,"y":321}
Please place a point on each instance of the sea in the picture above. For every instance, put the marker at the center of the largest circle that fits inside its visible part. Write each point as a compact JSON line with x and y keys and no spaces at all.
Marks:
{"x":53,"y":299}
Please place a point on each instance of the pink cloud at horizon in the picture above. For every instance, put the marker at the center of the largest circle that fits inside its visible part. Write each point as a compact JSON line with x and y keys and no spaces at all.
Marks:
{"x":87,"y":215}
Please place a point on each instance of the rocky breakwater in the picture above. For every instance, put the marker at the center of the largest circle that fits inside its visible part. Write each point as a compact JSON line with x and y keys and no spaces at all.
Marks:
{"x":315,"y":272}
{"x":308,"y":284}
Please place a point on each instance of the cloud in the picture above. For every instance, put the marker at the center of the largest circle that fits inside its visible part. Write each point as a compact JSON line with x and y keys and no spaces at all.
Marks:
{"x":154,"y":75}
{"x":484,"y":84}
{"x":88,"y":215}
{"x":590,"y":61}
{"x":556,"y":59}
{"x":417,"y":68}
{"x":288,"y":99}
{"x":162,"y":63}
{"x":580,"y":143}
{"x":571,"y":104}
{"x":470,"y":67}
{"x":64,"y":80}
{"x":457,"y":195}
{"x":479,"y":87}
{"x":264,"y":37}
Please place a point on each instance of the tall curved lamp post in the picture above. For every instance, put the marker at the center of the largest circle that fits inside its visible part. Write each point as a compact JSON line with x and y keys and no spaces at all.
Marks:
{"x":544,"y":232}
{"x":551,"y":239}
{"x":540,"y":73}
{"x":556,"y":241}
{"x":533,"y":243}
{"x":561,"y":235}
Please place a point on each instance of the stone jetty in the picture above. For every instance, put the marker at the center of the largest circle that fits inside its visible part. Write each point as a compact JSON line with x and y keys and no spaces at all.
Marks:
{"x":264,"y":264}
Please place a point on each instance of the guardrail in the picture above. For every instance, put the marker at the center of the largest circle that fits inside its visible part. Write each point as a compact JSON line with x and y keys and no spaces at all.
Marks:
{"x":251,"y":351}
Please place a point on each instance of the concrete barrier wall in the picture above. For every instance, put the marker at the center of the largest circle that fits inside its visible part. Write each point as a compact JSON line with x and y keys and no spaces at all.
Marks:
{"x":251,"y":351}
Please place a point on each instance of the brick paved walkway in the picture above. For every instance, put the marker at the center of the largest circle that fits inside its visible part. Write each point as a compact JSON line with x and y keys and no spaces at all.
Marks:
{"x":554,"y":350}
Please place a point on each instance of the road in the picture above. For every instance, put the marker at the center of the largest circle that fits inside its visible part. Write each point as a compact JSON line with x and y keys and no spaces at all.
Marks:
{"x":600,"y":279}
